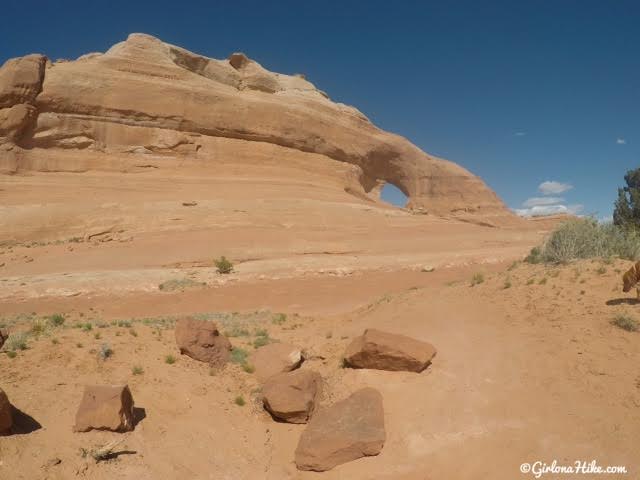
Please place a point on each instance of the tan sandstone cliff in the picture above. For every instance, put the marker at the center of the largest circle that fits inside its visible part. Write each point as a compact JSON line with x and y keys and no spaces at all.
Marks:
{"x":144,"y":98}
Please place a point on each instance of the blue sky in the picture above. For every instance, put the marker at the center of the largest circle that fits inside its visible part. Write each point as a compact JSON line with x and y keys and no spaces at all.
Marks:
{"x":519,"y":92}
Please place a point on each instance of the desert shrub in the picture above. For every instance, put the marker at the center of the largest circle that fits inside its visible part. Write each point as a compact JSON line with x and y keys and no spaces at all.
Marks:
{"x":507,"y":283}
{"x":137,"y":370}
{"x":170,"y":359}
{"x":247,"y":367}
{"x":57,"y":319}
{"x":237,"y":331}
{"x":626,"y":322}
{"x":11,"y":354}
{"x":17,"y":341}
{"x":105,"y":351}
{"x":601,"y":270}
{"x":586,"y":238}
{"x":223,"y":265}
{"x":124,"y":323}
{"x":39,"y":326}
{"x":239,"y":355}
{"x":262,"y":338}
{"x":240,"y":401}
{"x":477,"y":279}
{"x":279,"y":318}
{"x":87,"y":327}
{"x":97,"y":335}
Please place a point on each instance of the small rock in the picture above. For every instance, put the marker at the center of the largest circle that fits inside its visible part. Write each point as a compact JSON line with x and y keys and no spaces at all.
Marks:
{"x":105,"y":407}
{"x":428,"y":268}
{"x":275,"y":358}
{"x":6,"y":416}
{"x":201,"y":340}
{"x":189,"y":204}
{"x":387,"y":351}
{"x":292,"y":396}
{"x":348,"y":430}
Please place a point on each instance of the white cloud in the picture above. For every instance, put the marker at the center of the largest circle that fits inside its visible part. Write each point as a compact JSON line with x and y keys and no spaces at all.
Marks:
{"x":621,"y":141}
{"x":542,"y":210}
{"x":541,"y":201}
{"x":520,"y":134}
{"x":551,"y":187}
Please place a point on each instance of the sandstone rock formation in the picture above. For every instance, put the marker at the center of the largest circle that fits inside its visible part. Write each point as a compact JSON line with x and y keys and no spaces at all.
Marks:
{"x":6,"y":415}
{"x":292,"y":396}
{"x":201,"y":340}
{"x":348,"y":430}
{"x":105,"y":407}
{"x":143,"y":97}
{"x":275,"y":358}
{"x":387,"y":351}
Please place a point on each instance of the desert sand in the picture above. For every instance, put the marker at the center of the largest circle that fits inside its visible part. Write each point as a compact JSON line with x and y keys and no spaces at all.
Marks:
{"x":113,"y":217}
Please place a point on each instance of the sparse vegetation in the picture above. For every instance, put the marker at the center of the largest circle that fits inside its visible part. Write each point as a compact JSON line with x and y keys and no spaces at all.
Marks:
{"x":586,"y":238}
{"x":237,"y":331}
{"x":247,"y":367}
{"x":601,"y":270}
{"x":507,"y":283}
{"x":531,"y":281}
{"x":626,"y":322}
{"x":105,"y":351}
{"x":17,"y":341}
{"x":543,"y":281}
{"x":239,"y":355}
{"x":179,"y":284}
{"x":137,"y":370}
{"x":477,"y":279}
{"x":97,"y":336}
{"x":223,"y":265}
{"x":262,"y":338}
{"x":87,"y":327}
{"x":57,"y":319}
{"x":240,"y":401}
{"x":12,"y":354}
{"x":132,"y":332}
{"x":170,"y":359}
{"x":279,"y":319}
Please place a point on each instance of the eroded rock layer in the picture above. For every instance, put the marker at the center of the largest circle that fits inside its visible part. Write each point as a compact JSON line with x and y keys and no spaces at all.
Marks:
{"x":144,"y":97}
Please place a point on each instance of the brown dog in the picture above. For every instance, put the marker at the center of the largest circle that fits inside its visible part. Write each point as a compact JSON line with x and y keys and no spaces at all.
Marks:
{"x":631,"y":278}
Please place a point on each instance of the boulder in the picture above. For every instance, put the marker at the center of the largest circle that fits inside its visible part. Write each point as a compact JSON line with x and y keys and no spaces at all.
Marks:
{"x":6,"y":416}
{"x":201,"y":340}
{"x":275,"y":358}
{"x":348,"y":430}
{"x":292,"y":396}
{"x":388,"y":351}
{"x":105,"y":407}
{"x":21,"y":79}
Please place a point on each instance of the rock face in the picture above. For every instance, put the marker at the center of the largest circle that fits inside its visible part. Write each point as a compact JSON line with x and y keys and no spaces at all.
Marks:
{"x":387,"y":351}
{"x":275,"y":358}
{"x":348,"y":430}
{"x":292,"y":396}
{"x":105,"y":407}
{"x":145,"y":97}
{"x":6,"y":417}
{"x":201,"y":340}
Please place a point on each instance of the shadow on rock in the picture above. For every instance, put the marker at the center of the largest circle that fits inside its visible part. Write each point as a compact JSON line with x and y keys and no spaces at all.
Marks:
{"x":23,"y":423}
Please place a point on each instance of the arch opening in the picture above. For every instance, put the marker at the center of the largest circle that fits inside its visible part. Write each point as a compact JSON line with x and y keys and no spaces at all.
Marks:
{"x":393,"y":195}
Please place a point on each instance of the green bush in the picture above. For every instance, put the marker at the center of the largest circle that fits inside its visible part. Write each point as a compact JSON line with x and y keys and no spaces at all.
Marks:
{"x":223,"y":265}
{"x":586,"y":238}
{"x":239,"y":355}
{"x":57,"y":319}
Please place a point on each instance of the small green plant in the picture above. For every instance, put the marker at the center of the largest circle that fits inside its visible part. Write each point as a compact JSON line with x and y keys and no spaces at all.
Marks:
{"x":542,"y":281}
{"x":223,"y":265}
{"x":12,"y":354}
{"x":279,"y":319}
{"x":105,"y":351}
{"x":477,"y":279}
{"x":240,"y":401}
{"x":261,"y":342}
{"x":531,"y":281}
{"x":97,"y":336}
{"x":57,"y":319}
{"x":626,"y":322}
{"x":507,"y":283}
{"x":239,"y":355}
{"x":39,"y":326}
{"x":87,"y":327}
{"x":124,"y":323}
{"x":170,"y":359}
{"x":137,"y":370}
{"x":601,"y":271}
{"x":247,"y":367}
